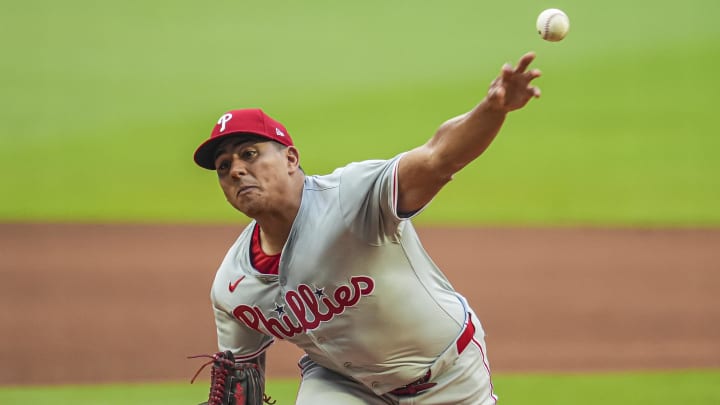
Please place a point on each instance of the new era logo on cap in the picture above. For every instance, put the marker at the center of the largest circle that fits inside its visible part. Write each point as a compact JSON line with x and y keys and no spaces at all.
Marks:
{"x":237,"y":122}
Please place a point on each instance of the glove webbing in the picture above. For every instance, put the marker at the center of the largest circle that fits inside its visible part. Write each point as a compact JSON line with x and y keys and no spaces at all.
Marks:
{"x":226,"y":377}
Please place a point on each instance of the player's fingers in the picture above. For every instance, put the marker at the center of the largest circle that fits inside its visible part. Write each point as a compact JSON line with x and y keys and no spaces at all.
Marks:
{"x":506,"y":72}
{"x":524,"y":62}
{"x":534,"y":91}
{"x":534,"y":74}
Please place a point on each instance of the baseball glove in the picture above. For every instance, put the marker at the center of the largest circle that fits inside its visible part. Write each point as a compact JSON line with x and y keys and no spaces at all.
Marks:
{"x":234,"y":383}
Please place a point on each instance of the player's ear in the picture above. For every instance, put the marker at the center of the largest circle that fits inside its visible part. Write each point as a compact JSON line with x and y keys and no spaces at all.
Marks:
{"x":293,"y":158}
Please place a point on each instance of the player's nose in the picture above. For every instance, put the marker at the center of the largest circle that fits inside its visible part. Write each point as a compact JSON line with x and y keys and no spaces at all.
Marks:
{"x":237,"y":167}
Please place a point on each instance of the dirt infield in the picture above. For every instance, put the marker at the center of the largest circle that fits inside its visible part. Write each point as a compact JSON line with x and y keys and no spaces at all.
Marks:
{"x":101,"y":303}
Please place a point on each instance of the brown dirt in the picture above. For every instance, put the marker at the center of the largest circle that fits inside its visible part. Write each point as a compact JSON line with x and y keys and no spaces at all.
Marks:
{"x":101,"y":303}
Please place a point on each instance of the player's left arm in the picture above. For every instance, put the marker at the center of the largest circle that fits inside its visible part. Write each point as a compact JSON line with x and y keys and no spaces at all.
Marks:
{"x":423,"y":171}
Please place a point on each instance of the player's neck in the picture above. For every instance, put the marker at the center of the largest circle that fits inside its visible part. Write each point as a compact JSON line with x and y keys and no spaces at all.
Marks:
{"x":272,"y":244}
{"x":275,"y":226}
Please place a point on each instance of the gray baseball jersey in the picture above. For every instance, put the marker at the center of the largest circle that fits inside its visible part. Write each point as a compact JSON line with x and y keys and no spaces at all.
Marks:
{"x":356,"y":290}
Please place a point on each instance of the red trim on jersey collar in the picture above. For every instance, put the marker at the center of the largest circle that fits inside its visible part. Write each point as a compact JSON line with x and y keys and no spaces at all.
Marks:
{"x":264,"y":263}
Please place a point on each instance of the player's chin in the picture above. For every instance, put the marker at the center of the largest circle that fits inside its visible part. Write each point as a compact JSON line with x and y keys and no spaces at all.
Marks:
{"x":248,"y":206}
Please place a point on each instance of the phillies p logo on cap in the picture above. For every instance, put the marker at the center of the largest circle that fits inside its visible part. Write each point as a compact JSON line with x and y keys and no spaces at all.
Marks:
{"x":223,"y":120}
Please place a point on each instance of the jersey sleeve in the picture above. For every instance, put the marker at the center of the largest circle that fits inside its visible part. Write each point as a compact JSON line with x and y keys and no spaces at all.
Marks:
{"x":368,"y":194}
{"x":244,"y":342}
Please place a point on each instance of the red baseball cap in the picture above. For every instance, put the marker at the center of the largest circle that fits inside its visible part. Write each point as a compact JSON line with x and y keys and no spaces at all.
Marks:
{"x":252,"y":121}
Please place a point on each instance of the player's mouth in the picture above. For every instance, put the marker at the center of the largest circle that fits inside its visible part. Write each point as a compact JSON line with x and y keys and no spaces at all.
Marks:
{"x":245,"y":189}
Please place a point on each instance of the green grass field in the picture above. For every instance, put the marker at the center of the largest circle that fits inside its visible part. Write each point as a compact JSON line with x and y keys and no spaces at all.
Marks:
{"x":104,"y":102}
{"x":656,"y":388}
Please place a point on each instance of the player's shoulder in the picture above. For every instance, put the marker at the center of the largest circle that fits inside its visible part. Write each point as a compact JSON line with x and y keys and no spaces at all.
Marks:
{"x":333,"y":179}
{"x":237,"y":254}
{"x":321,"y":182}
{"x":369,"y":165}
{"x":367,"y":169}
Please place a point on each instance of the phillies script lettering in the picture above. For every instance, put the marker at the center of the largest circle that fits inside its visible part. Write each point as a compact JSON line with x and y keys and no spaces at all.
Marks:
{"x":304,"y":302}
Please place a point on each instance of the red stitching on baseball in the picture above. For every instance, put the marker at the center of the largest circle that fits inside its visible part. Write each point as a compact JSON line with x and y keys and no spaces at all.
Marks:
{"x":547,"y":24}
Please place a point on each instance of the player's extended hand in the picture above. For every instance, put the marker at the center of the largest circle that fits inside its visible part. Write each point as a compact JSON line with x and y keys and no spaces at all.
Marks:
{"x":512,"y":89}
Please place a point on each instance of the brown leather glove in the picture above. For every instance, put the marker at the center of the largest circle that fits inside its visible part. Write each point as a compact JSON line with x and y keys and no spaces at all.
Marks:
{"x":234,"y":383}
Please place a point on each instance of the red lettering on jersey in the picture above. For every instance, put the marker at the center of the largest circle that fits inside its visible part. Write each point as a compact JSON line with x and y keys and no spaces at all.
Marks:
{"x":253,"y":317}
{"x":301,"y":303}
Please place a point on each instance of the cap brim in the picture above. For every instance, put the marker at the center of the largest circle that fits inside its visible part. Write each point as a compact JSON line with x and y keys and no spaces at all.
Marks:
{"x":204,"y":154}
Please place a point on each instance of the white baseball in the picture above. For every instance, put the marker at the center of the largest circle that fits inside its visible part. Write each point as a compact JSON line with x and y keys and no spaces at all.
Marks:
{"x":553,"y":24}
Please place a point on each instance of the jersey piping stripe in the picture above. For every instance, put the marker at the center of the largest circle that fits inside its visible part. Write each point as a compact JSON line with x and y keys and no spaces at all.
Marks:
{"x":467,"y":336}
{"x":487,"y":368}
{"x":395,"y":190}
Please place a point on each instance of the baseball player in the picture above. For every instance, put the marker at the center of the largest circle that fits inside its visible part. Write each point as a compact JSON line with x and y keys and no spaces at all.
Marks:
{"x":333,"y":264}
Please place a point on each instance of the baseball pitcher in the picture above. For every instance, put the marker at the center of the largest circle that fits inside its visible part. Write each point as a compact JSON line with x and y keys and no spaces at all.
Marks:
{"x":333,"y":264}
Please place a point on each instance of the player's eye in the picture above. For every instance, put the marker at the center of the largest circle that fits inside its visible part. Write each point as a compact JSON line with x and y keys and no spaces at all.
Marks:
{"x":249,"y":154}
{"x":223,"y":166}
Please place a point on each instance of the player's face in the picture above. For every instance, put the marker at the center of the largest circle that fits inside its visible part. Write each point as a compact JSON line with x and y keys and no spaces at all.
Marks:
{"x":255,"y":175}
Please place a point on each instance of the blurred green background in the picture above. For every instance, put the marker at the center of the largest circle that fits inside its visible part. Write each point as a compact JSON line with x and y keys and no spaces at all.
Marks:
{"x":104,"y":102}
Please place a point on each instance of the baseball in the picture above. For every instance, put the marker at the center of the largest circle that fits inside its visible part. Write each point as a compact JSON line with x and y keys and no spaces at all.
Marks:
{"x":553,"y":24}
